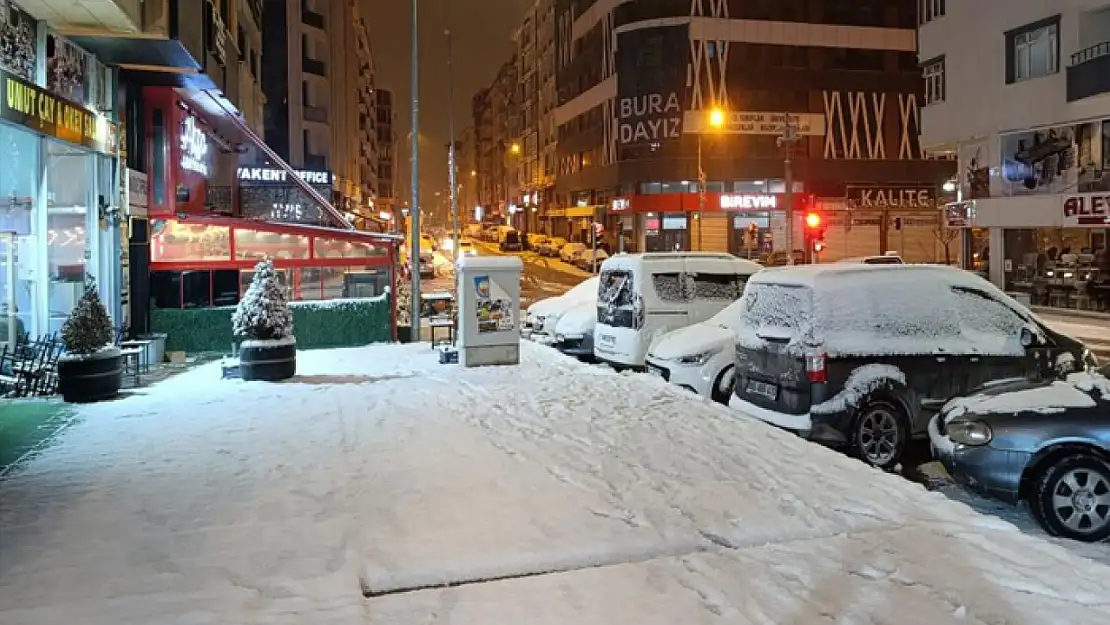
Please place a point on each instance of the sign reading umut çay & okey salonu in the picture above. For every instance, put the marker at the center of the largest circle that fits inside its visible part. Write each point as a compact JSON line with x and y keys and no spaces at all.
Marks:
{"x":33,"y":107}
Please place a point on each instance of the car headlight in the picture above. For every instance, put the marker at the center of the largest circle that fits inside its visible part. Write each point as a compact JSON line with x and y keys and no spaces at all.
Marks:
{"x":970,"y":433}
{"x":699,"y":358}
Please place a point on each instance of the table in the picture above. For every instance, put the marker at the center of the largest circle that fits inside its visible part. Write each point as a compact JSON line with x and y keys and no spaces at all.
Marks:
{"x":444,"y":322}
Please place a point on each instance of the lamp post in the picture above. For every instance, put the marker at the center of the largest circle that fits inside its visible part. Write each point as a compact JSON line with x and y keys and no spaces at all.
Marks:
{"x":716,"y":122}
{"x":451,"y":154}
{"x":787,"y":138}
{"x":414,"y":210}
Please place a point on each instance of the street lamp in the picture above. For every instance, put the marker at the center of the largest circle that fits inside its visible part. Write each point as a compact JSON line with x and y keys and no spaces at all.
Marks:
{"x":787,"y":138}
{"x":716,"y":122}
{"x":515,"y":148}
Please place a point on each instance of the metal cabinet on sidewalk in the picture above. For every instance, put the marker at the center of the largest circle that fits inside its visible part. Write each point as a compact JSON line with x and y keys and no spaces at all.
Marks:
{"x":489,"y":310}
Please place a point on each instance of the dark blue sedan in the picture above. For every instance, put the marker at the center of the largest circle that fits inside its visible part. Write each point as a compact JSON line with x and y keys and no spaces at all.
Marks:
{"x":1046,"y":443}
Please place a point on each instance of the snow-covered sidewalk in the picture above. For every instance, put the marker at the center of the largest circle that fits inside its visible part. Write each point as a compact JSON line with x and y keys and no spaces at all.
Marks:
{"x":378,"y":470}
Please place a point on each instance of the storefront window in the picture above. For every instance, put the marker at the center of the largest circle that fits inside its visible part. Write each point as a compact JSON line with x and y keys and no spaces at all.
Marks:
{"x":665,"y":234}
{"x":19,"y":168}
{"x":172,"y":241}
{"x":1057,"y":267}
{"x":71,"y":213}
{"x":257,"y":245}
{"x":334,"y":248}
{"x":308,"y":284}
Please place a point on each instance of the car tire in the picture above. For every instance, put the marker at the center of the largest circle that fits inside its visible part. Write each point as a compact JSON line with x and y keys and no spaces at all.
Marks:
{"x":880,"y":434}
{"x":722,"y":392}
{"x":1072,"y":498}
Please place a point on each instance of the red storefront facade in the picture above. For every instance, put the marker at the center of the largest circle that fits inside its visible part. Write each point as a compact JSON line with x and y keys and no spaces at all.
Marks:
{"x":209,"y":223}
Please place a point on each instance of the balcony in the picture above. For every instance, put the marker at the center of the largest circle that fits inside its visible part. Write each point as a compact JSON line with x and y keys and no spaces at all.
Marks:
{"x":316,"y":114}
{"x":312,"y":18}
{"x":1089,"y":72}
{"x":312,"y":66}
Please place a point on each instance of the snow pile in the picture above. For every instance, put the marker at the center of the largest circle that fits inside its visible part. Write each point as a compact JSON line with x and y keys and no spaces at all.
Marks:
{"x":594,"y":497}
{"x":860,"y":384}
{"x":1052,"y":398}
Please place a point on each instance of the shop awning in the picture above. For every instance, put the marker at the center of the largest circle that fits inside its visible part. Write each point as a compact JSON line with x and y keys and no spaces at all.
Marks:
{"x":219,"y":242}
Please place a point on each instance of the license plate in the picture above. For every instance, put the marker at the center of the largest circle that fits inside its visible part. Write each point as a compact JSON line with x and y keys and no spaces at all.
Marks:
{"x":608,"y":339}
{"x":763,"y":389}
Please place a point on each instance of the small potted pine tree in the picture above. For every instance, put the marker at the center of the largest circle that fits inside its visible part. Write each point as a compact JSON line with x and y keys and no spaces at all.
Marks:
{"x":91,"y":369}
{"x":265,"y":323}
{"x":403,"y":297}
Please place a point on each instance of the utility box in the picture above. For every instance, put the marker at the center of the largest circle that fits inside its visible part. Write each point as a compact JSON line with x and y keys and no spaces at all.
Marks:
{"x":489,"y":310}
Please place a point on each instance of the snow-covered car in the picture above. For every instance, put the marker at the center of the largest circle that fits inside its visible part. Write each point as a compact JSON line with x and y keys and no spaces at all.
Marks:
{"x":590,"y":259}
{"x":862,"y":356}
{"x":551,"y":246}
{"x":466,"y":248}
{"x":541,"y":317}
{"x":1046,"y":443}
{"x":574,"y":330}
{"x":701,"y":357}
{"x":571,"y":251}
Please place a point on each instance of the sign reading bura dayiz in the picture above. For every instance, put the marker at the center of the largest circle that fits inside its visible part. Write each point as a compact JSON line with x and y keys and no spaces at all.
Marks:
{"x":273,"y":175}
{"x":33,"y":107}
{"x":650,"y":118}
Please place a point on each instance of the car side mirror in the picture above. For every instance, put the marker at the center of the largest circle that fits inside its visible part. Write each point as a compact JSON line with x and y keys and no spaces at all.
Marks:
{"x":1029,"y":338}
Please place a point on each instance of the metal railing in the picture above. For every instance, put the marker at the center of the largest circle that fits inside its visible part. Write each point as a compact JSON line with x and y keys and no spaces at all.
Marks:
{"x":1091,"y":53}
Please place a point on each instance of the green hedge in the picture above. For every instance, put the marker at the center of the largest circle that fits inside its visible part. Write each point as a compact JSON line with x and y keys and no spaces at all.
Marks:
{"x":332,"y":323}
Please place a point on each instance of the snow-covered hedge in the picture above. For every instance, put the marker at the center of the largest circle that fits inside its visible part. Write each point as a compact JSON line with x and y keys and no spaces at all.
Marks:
{"x":329,"y":323}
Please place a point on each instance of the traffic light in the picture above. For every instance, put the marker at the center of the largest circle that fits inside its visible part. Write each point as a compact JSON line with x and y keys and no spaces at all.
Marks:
{"x":815,"y":234}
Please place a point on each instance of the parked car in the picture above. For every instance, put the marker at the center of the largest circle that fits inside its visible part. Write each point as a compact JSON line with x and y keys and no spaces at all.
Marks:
{"x":1046,"y":443}
{"x":466,"y":248}
{"x":535,"y":240}
{"x":571,"y":251}
{"x":590,"y":259}
{"x":574,"y":330}
{"x":541,"y":317}
{"x":642,"y":296}
{"x":862,"y":356}
{"x":511,"y":242}
{"x":427,"y":264}
{"x":701,"y":357}
{"x":551,"y":247}
{"x":885,"y":259}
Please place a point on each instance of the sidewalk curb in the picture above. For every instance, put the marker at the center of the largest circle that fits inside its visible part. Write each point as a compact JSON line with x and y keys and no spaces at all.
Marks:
{"x":1073,"y":313}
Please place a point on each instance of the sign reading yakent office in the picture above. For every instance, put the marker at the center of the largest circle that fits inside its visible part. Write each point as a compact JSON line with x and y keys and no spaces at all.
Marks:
{"x":31,"y":106}
{"x":273,"y":175}
{"x":891,"y":197}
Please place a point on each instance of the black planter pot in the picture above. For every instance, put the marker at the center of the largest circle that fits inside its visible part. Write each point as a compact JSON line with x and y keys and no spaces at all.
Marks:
{"x":90,"y":379}
{"x":404,"y":334}
{"x":268,"y":363}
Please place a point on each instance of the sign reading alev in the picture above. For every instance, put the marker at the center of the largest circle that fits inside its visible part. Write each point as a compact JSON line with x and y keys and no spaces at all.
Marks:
{"x":1091,"y":209}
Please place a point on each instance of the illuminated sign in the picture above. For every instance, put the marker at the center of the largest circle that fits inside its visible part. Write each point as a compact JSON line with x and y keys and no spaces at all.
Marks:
{"x":194,"y":147}
{"x":280,"y":176}
{"x":748,"y":202}
{"x":1091,"y":210}
{"x":891,"y":197}
{"x":33,"y":107}
{"x":621,"y":204}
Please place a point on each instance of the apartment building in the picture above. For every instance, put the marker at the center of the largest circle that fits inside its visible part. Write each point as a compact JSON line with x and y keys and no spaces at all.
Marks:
{"x":1020,"y":95}
{"x":387,"y":154}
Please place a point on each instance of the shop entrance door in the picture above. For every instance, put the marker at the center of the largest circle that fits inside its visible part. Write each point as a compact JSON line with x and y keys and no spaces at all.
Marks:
{"x":9,"y":321}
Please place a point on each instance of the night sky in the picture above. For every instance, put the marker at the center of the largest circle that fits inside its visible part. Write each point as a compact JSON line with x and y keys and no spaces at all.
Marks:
{"x":482,"y":31}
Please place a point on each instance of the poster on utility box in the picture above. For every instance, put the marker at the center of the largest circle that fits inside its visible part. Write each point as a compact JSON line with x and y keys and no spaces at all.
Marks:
{"x":494,"y":306}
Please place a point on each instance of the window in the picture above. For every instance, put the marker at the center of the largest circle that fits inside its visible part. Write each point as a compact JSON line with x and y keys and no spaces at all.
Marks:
{"x":669,"y":286}
{"x":1033,"y":51}
{"x":929,"y":10}
{"x":717,"y":287}
{"x":934,"y":81}
{"x":987,"y":322}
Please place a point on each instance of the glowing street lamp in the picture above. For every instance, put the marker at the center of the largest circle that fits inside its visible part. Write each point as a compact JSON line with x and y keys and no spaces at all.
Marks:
{"x":716,"y":119}
{"x":515,"y":148}
{"x":716,"y":122}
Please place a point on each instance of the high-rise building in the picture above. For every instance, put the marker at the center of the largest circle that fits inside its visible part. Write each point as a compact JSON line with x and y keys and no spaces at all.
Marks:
{"x":499,"y":151}
{"x":387,"y":154}
{"x":535,"y":39}
{"x":316,"y":83}
{"x":638,"y":80}
{"x":1020,"y":95}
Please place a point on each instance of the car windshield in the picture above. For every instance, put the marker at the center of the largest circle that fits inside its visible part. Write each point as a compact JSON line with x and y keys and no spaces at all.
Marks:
{"x":768,"y":305}
{"x":730,"y":315}
{"x":615,"y":288}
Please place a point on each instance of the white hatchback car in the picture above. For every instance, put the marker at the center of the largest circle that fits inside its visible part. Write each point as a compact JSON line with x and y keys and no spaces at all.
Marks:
{"x":701,"y":357}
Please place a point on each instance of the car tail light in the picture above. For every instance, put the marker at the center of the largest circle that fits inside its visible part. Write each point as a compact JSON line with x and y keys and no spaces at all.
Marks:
{"x":815,"y":366}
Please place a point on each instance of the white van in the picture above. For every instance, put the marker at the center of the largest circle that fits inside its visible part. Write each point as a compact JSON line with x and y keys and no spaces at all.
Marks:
{"x":642,"y":296}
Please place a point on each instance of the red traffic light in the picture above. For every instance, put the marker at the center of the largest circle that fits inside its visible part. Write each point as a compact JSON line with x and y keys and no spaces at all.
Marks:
{"x":813,"y":220}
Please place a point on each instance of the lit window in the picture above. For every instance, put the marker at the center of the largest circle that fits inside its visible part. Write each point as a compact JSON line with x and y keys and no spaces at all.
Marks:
{"x":934,"y":81}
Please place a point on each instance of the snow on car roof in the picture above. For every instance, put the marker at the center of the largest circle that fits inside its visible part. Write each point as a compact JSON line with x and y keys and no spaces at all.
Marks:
{"x":708,"y":261}
{"x":839,"y":275}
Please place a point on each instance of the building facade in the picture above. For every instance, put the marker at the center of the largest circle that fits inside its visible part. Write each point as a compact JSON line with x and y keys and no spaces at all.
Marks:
{"x":387,"y":155}
{"x":1021,"y":97}
{"x":61,"y":206}
{"x":499,"y":149}
{"x":535,"y":164}
{"x":638,"y":79}
{"x":316,"y":85}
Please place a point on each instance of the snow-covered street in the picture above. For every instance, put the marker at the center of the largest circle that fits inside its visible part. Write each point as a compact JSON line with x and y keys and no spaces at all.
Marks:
{"x":548,"y":493}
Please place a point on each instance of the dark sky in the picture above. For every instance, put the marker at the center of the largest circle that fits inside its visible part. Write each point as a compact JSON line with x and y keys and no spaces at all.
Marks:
{"x":482,"y":31}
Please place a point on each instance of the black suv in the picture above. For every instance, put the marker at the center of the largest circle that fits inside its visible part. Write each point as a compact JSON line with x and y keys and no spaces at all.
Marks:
{"x":862,"y":356}
{"x":511,"y":242}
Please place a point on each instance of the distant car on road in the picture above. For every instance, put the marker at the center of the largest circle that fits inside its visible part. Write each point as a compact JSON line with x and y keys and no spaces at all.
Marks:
{"x":571,"y":251}
{"x":1046,"y":443}
{"x":466,"y":248}
{"x":511,"y":242}
{"x":551,"y":247}
{"x":590,"y":259}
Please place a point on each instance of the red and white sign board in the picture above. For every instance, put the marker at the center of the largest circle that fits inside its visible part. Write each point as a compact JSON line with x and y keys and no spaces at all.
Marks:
{"x":1089,"y":210}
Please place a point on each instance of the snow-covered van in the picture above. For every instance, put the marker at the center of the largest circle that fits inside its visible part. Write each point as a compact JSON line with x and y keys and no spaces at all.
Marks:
{"x":862,"y":356}
{"x":642,"y":296}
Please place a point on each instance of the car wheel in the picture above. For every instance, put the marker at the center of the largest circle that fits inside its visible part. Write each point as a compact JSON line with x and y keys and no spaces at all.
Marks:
{"x":879,"y":435}
{"x":722,"y":386}
{"x":1073,"y":499}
